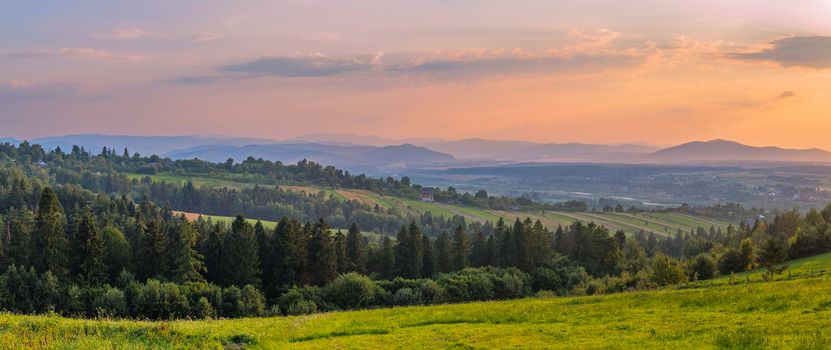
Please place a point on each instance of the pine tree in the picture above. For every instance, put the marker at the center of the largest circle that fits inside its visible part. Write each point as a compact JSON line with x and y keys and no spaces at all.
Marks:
{"x":340,"y":253}
{"x":188,"y":263}
{"x":444,"y":251}
{"x":461,"y":248}
{"x":264,"y":251}
{"x":93,"y":271}
{"x":356,"y":250}
{"x":479,"y":250}
{"x":387,"y":259}
{"x":322,"y":259}
{"x":429,"y":262}
{"x":17,"y":238}
{"x":152,"y":250}
{"x":49,"y":238}
{"x":408,"y":258}
{"x":289,"y":254}
{"x":240,"y":263}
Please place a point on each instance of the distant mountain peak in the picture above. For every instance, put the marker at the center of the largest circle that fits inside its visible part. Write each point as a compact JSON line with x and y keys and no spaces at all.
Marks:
{"x":723,"y":150}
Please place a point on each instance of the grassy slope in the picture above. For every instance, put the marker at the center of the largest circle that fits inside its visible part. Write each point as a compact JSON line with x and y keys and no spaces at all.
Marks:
{"x":662,"y":224}
{"x":781,"y":314}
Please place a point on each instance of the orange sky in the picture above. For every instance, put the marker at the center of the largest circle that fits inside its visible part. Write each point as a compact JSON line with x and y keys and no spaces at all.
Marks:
{"x":661,"y":72}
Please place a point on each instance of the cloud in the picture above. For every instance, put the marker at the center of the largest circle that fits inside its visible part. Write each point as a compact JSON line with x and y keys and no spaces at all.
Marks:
{"x":205,"y":37}
{"x":195,"y":80}
{"x":798,"y":51}
{"x":72,"y":53}
{"x":786,"y":94}
{"x":123,"y":34}
{"x":317,"y":65}
{"x":503,"y":62}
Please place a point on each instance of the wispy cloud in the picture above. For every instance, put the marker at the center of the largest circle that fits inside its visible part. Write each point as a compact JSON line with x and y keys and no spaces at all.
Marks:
{"x":73,"y":53}
{"x":122,"y":34}
{"x":205,"y":37}
{"x":798,"y":51}
{"x":317,"y":65}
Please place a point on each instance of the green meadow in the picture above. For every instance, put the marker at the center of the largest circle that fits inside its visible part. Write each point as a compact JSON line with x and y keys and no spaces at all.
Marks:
{"x":786,"y":313}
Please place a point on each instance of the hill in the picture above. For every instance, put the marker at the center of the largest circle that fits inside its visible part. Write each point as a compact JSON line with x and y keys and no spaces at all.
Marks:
{"x":724,"y":150}
{"x":347,"y":156}
{"x":145,"y":145}
{"x":512,"y":150}
{"x":748,"y":316}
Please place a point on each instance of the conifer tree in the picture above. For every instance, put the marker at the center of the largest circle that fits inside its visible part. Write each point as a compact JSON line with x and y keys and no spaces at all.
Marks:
{"x":240,"y":263}
{"x":479,"y":250}
{"x":429,"y":262}
{"x":49,"y":237}
{"x":387,"y":258}
{"x":264,"y":252}
{"x":408,"y":257}
{"x":93,"y":271}
{"x":17,"y":238}
{"x":289,"y":254}
{"x":460,"y":249}
{"x":322,"y":259}
{"x":444,"y":251}
{"x":152,"y":250}
{"x":188,"y":263}
{"x":340,"y":253}
{"x":356,"y":250}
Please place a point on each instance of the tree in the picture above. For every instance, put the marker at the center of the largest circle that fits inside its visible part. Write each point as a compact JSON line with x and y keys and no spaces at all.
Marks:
{"x":408,"y":257}
{"x":479,"y":254}
{"x":702,"y":267}
{"x":289,"y":254}
{"x":49,"y":237}
{"x":772,"y":254}
{"x":731,"y":261}
{"x":356,"y":250}
{"x":748,"y":253}
{"x":152,"y":257}
{"x":118,"y":253}
{"x":92,"y":268}
{"x":17,"y":238}
{"x":340,"y":253}
{"x":264,"y":251}
{"x":240,"y":264}
{"x":461,"y":248}
{"x":667,"y":271}
{"x":444,"y":251}
{"x":429,"y":261}
{"x":322,"y":260}
{"x":386,"y":259}
{"x":188,"y":264}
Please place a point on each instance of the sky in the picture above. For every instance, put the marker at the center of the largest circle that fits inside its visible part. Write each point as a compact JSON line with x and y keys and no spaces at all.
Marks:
{"x":609,"y":71}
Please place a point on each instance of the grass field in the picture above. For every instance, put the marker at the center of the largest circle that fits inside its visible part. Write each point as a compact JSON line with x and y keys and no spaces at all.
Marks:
{"x":791,"y":314}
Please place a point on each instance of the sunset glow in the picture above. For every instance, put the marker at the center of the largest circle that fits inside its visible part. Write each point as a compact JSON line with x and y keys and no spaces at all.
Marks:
{"x":591,"y":71}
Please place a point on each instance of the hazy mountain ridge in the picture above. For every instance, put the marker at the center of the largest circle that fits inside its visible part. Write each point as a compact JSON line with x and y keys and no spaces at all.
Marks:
{"x":724,"y":150}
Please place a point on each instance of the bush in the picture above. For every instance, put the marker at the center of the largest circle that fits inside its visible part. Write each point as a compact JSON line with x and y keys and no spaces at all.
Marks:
{"x":300,"y":301}
{"x":486,"y":283}
{"x":111,"y":303}
{"x":352,"y":291}
{"x":406,"y":296}
{"x":252,"y":301}
{"x":203,"y":309}
{"x":702,"y":267}
{"x":156,"y":300}
{"x":667,"y":271}
{"x":558,"y":275}
{"x":731,"y":261}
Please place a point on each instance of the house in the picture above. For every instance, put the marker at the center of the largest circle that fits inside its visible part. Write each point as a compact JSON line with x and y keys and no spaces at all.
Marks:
{"x":41,"y":164}
{"x":427,"y":195}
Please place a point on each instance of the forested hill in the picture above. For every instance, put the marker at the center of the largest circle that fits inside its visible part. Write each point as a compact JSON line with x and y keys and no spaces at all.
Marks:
{"x":105,"y":173}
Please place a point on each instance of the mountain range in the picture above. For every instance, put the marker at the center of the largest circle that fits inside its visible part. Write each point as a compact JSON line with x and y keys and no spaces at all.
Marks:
{"x":352,"y":150}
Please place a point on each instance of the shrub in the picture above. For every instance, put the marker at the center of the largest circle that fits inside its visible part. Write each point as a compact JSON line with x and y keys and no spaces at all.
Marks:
{"x":352,"y":291}
{"x":156,"y":300}
{"x":252,"y":301}
{"x":203,"y":309}
{"x":702,"y":267}
{"x":110,"y":303}
{"x":667,"y":271}
{"x":406,"y":296}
